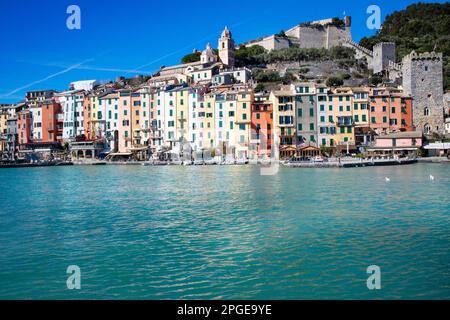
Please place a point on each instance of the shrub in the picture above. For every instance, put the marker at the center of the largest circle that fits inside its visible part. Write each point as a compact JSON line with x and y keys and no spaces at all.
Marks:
{"x":192,"y":57}
{"x":334,"y":82}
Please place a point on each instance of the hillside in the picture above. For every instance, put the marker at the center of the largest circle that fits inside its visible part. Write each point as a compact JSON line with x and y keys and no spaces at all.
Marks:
{"x":420,"y":27}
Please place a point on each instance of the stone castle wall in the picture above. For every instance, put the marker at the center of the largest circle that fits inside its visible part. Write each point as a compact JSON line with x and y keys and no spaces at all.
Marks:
{"x":319,"y":36}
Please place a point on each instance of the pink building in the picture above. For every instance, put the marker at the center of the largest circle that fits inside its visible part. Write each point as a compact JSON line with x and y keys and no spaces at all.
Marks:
{"x":399,"y":143}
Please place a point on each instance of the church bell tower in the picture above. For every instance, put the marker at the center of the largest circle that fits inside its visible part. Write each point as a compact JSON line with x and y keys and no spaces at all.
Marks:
{"x":226,"y":48}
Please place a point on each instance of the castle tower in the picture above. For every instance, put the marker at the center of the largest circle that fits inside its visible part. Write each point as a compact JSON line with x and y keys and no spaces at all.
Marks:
{"x":383,"y":52}
{"x":226,"y":48}
{"x":208,"y":55}
{"x":423,"y":80}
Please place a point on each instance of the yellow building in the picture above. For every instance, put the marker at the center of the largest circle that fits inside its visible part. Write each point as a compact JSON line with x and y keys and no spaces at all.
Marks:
{"x":242,"y":129}
{"x":340,"y":102}
{"x":207,"y":125}
{"x":182,"y":102}
{"x":125,"y":120}
{"x":283,"y":121}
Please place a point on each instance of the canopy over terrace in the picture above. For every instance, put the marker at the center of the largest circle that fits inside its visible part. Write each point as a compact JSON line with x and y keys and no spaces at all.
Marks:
{"x":287,"y":152}
{"x":308,"y":152}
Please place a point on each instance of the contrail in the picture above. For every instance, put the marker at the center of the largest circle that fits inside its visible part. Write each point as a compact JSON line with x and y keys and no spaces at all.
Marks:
{"x":47,"y":77}
{"x":83,"y":67}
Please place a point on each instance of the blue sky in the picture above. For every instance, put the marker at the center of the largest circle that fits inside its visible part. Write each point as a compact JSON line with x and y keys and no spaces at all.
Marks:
{"x":37,"y":51}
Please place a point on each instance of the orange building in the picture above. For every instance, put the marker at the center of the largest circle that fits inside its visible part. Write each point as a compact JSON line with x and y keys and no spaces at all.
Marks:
{"x":390,"y":110}
{"x":52,"y":121}
{"x":261,"y":125}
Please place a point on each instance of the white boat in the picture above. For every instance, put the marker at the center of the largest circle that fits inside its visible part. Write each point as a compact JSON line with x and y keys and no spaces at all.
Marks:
{"x":210,"y":162}
{"x":199,"y":162}
{"x":241,"y":161}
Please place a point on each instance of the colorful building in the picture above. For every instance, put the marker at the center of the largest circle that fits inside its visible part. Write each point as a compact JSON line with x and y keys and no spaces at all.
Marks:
{"x":262,"y":124}
{"x":305,"y":114}
{"x":340,"y":107}
{"x":283,"y":101}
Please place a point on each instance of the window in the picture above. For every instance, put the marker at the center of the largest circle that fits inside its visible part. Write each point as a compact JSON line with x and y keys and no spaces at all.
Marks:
{"x":384,"y":119}
{"x":258,"y":116}
{"x":311,"y":126}
{"x":426,"y":111}
{"x":311,"y":112}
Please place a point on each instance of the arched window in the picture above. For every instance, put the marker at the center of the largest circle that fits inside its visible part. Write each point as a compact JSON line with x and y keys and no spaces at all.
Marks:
{"x":426,"y":111}
{"x":427,"y":129}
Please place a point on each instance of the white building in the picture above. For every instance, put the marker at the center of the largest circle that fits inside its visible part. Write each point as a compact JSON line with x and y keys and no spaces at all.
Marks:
{"x":86,"y":85}
{"x":108,"y":123}
{"x":36,"y":114}
{"x":73,"y":114}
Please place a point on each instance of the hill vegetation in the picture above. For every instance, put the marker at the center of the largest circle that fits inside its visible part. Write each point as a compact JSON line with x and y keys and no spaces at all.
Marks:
{"x":421,"y":27}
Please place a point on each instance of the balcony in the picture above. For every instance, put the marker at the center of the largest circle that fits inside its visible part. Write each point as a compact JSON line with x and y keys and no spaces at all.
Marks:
{"x":345,"y":122}
{"x":242,"y":122}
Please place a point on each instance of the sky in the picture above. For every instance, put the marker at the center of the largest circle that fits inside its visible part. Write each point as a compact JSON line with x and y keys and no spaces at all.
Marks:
{"x":127,"y":38}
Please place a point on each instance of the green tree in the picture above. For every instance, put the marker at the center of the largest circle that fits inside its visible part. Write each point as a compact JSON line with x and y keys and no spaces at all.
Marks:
{"x":334,"y":82}
{"x":192,"y":57}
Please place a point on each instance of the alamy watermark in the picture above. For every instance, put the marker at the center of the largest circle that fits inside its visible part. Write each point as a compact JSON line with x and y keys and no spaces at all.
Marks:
{"x":374,"y":280}
{"x":73,"y":22}
{"x":374,"y":20}
{"x":74,"y":280}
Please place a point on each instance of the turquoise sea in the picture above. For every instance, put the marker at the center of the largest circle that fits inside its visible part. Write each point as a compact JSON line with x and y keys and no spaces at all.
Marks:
{"x":224,"y":232}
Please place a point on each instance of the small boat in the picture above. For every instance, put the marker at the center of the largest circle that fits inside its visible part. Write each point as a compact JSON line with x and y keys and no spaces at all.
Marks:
{"x":241,"y":161}
{"x":198,"y":162}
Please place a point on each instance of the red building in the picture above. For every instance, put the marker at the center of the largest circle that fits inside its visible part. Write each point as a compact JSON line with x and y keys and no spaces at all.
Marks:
{"x":262,"y":125}
{"x":390,"y":110}
{"x":52,"y":121}
{"x":24,"y":130}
